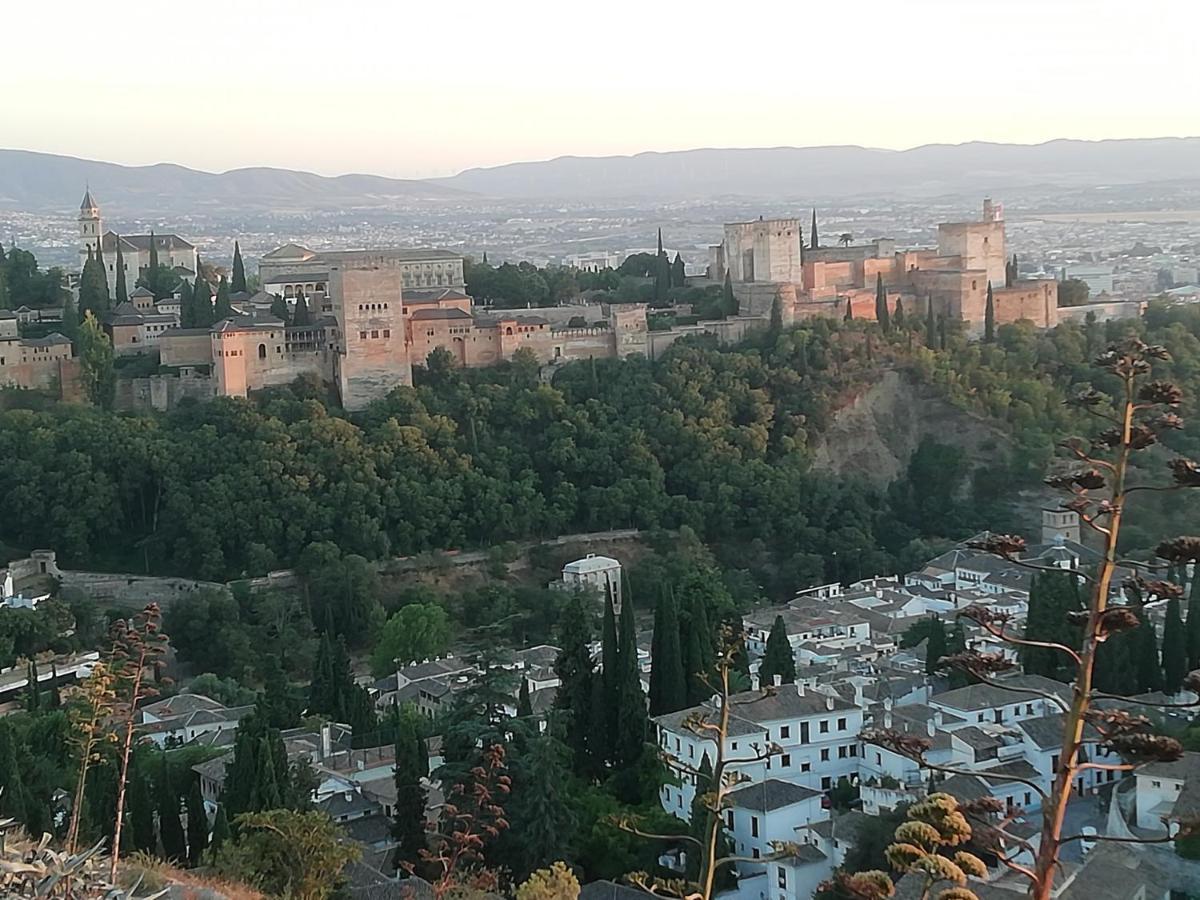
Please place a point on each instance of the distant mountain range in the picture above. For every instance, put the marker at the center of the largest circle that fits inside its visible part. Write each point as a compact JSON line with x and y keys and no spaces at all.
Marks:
{"x":841,"y":171}
{"x":45,"y":182}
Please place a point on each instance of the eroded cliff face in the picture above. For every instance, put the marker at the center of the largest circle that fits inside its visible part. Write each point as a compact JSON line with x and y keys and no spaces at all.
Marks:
{"x":875,"y":436}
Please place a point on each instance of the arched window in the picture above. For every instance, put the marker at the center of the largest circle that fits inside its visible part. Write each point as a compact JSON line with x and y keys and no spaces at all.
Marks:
{"x":262,"y":351}
{"x":508,"y":330}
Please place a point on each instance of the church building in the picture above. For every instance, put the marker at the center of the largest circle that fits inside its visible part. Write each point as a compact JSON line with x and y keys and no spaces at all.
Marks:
{"x":173,"y":251}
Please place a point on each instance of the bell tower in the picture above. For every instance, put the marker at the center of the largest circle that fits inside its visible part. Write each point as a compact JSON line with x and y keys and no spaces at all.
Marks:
{"x":89,"y":224}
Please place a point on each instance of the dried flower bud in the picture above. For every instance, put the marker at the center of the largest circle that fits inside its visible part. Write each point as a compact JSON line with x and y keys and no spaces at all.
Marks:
{"x":1114,"y":620}
{"x":1113,"y":722}
{"x":1160,"y":392}
{"x":1191,"y":681}
{"x":1141,"y":748}
{"x":975,"y":663}
{"x":1186,"y":472}
{"x":1156,"y":351}
{"x":983,"y":615}
{"x":1166,"y":422}
{"x":970,"y":864}
{"x":1088,"y":396}
{"x":999,"y":544}
{"x":982,"y":806}
{"x":1163,"y":590}
{"x":1180,"y":549}
{"x":897,"y":741}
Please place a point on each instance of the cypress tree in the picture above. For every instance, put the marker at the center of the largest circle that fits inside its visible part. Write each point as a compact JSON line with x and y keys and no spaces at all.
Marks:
{"x":1115,"y":671}
{"x":849,"y":316}
{"x":576,"y":674}
{"x":140,"y":815}
{"x":224,"y":309}
{"x":813,"y":242}
{"x":882,"y":316}
{"x":202,"y":304}
{"x":941,"y":332}
{"x":1146,"y":657}
{"x":989,"y":318}
{"x":631,"y":702}
{"x":220,"y":829}
{"x":700,"y":820}
{"x":33,"y":694}
{"x":170,"y":829}
{"x":935,"y":647}
{"x":729,"y":304}
{"x":699,"y":655}
{"x":778,"y":658}
{"x":279,"y":309}
{"x":321,"y":690}
{"x":12,"y":798}
{"x":239,"y":270}
{"x":153,"y":268}
{"x":93,"y":287}
{"x":898,"y":319}
{"x":197,"y":823}
{"x":776,"y":325}
{"x":930,"y":323}
{"x":122,"y":291}
{"x":678,"y":272}
{"x":668,"y":686}
{"x":662,"y":273}
{"x":609,"y":668}
{"x":301,"y":317}
{"x":524,"y":705}
{"x":408,"y":818}
{"x":1174,"y":649}
{"x":1193,"y":625}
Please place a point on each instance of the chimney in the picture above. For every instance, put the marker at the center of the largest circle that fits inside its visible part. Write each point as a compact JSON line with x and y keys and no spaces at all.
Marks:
{"x":326,"y":741}
{"x":937,"y":717}
{"x":887,"y":718}
{"x":930,"y":727}
{"x":799,"y":688}
{"x":777,"y":680}
{"x":829,"y":703}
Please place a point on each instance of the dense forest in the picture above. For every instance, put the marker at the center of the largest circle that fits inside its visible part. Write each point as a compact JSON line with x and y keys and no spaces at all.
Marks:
{"x":719,"y":440}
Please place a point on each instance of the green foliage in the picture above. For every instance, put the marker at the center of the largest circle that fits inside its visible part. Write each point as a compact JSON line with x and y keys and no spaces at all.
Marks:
{"x":418,"y":631}
{"x":1072,"y":292}
{"x":668,"y":685}
{"x":632,"y":724}
{"x":170,"y":828}
{"x":1052,"y":596}
{"x":343,"y":592}
{"x":1192,"y":628}
{"x":259,"y":776}
{"x":93,"y":287}
{"x":96,"y":371}
{"x":408,"y":818}
{"x":222,"y":308}
{"x":778,"y":658}
{"x":238,"y":277}
{"x":197,"y":822}
{"x":333,"y":691}
{"x":989,"y":317}
{"x":1174,"y":649}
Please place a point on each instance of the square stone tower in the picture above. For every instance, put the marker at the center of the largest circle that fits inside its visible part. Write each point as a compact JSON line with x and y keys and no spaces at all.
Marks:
{"x":373,"y":355}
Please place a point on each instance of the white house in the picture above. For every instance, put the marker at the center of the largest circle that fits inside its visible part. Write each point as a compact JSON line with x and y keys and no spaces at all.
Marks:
{"x":1168,"y":792}
{"x":769,"y":811}
{"x":597,"y":573}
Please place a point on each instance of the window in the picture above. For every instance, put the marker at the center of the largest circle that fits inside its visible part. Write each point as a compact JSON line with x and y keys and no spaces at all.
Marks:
{"x":804,"y":732}
{"x":729,"y":819}
{"x":362,"y":335}
{"x":734,"y":745}
{"x":825,"y":755}
{"x":387,"y":332}
{"x":782,"y":877}
{"x":768,"y":735}
{"x":805,"y":767}
{"x":262,"y":351}
{"x":785,"y":732}
{"x":1157,"y":784}
{"x":374,"y":333}
{"x":854,"y":750}
{"x":841,"y":724}
{"x":1028,"y":798}
{"x":785,"y":760}
{"x":754,"y":826}
{"x":826,"y":783}
{"x":824,"y":726}
{"x":878,"y":759}
{"x":1029,"y":709}
{"x":842,"y":752}
{"x":754,"y":853}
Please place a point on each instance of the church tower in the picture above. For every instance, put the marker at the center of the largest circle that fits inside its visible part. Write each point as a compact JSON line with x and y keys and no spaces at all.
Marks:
{"x":89,"y":224}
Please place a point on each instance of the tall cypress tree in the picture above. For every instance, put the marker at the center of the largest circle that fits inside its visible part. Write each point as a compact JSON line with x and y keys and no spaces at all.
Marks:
{"x":898,"y":318}
{"x":778,"y":658}
{"x":668,"y":686}
{"x":936,"y":646}
{"x":678,"y":272}
{"x":239,"y":270}
{"x":849,"y":316}
{"x":775,"y":328}
{"x":1174,"y":649}
{"x":93,"y":287}
{"x":631,"y":701}
{"x":729,"y":304}
{"x":941,"y":332}
{"x":202,"y":304}
{"x":576,"y":674}
{"x":220,"y":829}
{"x":153,"y":268}
{"x":279,"y":309}
{"x":930,"y":322}
{"x":989,"y":317}
{"x":662,"y":272}
{"x":140,"y":815}
{"x":1193,"y":625}
{"x":13,"y":799}
{"x":197,"y":823}
{"x":609,"y":669}
{"x":699,"y":654}
{"x":33,"y":691}
{"x":223,"y":308}
{"x":813,"y":241}
{"x":882,"y":313}
{"x":301,"y":317}
{"x":170,"y":829}
{"x":122,"y":291}
{"x":524,"y":704}
{"x":408,"y":819}
{"x":1146,"y":656}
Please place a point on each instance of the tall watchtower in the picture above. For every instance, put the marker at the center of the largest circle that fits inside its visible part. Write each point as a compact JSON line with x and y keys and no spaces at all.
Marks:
{"x":89,"y":224}
{"x":1060,"y":524}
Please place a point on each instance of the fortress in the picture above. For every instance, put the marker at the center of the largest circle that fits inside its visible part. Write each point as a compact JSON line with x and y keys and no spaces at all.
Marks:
{"x":767,"y":262}
{"x":377,"y":313}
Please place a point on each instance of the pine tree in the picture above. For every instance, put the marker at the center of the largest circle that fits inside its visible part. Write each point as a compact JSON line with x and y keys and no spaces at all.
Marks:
{"x":170,"y":829}
{"x":813,"y":242}
{"x":668,"y":686}
{"x":1193,"y":625}
{"x":936,"y":646}
{"x":408,"y":817}
{"x":223,"y":309}
{"x":122,"y":291}
{"x":882,"y":316}
{"x":631,"y":701}
{"x":1174,"y":649}
{"x":239,"y":270}
{"x":220,"y":829}
{"x":140,"y":814}
{"x":197,"y":823}
{"x":778,"y":658}
{"x":678,"y":272}
{"x":989,"y":318}
{"x":524,"y":705}
{"x":301,"y":317}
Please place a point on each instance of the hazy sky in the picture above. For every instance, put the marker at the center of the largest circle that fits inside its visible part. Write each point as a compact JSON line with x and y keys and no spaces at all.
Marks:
{"x":419,"y":87}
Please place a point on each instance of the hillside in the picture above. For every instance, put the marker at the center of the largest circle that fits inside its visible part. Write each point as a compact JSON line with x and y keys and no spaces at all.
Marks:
{"x":47,"y":182}
{"x":841,"y":171}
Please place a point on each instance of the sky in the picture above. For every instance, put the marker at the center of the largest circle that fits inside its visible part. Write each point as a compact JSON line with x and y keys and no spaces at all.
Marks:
{"x":414,"y":88}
